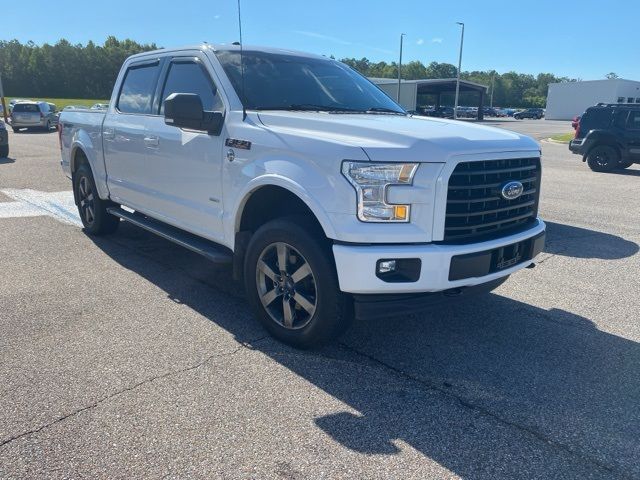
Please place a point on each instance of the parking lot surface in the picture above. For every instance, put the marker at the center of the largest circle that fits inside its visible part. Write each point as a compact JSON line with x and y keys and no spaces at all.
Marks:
{"x":128,"y":357}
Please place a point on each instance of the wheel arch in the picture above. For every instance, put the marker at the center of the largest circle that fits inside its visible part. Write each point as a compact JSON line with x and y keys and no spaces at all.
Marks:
{"x":259,"y":204}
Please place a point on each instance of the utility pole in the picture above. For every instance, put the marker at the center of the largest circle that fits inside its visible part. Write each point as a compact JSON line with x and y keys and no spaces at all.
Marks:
{"x":400,"y":67}
{"x":4,"y":105}
{"x":455,"y":108}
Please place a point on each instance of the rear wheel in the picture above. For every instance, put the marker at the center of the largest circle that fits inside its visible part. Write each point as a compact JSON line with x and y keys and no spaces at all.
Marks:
{"x":292,"y":285}
{"x":603,"y":158}
{"x":92,"y":209}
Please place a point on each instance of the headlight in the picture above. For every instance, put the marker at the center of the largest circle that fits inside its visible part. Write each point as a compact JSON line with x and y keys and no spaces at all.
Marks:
{"x":371,"y":181}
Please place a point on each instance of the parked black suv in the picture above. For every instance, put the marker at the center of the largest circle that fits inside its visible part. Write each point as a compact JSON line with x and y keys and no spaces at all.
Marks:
{"x":608,"y":137}
{"x":536,"y":113}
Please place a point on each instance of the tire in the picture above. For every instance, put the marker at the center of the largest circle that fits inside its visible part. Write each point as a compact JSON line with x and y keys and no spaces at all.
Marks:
{"x":48,"y":127}
{"x":92,"y":209}
{"x":603,"y":158}
{"x":16,"y":129}
{"x":4,"y":151}
{"x":303,"y":312}
{"x":621,"y":164}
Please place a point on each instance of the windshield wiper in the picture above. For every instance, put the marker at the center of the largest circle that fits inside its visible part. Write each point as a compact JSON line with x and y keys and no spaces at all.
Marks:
{"x":310,"y":107}
{"x":321,"y":108}
{"x":384,"y":110}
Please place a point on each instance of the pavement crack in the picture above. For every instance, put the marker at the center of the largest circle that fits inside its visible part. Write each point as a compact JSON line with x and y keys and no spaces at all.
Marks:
{"x":241,"y":345}
{"x":425,"y":383}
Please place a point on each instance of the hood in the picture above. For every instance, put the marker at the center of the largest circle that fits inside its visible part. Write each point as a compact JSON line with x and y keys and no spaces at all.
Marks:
{"x":389,"y":138}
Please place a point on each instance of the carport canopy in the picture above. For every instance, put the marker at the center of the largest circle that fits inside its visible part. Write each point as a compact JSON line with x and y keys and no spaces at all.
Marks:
{"x":436,"y":87}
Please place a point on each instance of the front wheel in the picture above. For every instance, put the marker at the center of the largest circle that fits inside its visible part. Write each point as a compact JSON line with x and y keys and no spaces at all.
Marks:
{"x":625,"y":164}
{"x":92,"y":209}
{"x":603,"y":158}
{"x":4,"y":151}
{"x":292,"y":285}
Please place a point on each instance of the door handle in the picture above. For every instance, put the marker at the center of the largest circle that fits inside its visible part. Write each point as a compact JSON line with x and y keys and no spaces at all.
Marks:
{"x":109,"y":134}
{"x":151,"y":141}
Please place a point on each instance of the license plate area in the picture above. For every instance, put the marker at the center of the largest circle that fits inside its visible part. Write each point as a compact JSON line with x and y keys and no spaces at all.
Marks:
{"x":486,"y":262}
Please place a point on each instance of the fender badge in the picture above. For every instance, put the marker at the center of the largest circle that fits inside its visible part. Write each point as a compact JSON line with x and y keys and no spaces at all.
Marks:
{"x":235,"y":143}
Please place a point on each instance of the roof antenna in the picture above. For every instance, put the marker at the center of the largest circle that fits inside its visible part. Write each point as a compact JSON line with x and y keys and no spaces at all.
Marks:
{"x":244,"y":109}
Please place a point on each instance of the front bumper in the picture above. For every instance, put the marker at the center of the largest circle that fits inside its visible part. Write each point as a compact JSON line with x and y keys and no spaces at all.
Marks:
{"x":439,"y":270}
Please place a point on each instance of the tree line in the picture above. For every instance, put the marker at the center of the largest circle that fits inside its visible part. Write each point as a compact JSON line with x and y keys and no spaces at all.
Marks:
{"x":64,"y":70}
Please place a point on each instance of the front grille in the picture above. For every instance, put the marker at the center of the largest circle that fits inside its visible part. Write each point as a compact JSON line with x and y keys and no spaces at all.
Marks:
{"x":475,"y":207}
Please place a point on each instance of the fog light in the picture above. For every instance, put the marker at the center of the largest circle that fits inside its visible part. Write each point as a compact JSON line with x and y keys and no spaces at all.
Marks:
{"x":386,"y":266}
{"x":398,"y":270}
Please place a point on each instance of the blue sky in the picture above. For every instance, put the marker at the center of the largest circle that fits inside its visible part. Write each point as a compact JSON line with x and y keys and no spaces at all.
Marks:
{"x":577,"y":38}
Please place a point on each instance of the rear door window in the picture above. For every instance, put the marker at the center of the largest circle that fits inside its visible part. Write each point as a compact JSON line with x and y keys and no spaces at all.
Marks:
{"x":136,"y":94}
{"x":634,"y":120}
{"x":620,"y":119}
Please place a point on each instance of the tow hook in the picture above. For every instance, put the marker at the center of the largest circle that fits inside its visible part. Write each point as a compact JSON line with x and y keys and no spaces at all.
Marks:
{"x":453,"y":292}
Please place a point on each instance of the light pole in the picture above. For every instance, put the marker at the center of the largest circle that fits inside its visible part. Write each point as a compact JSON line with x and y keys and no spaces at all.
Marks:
{"x":455,"y":108}
{"x":400,"y":67}
{"x":493,"y":79}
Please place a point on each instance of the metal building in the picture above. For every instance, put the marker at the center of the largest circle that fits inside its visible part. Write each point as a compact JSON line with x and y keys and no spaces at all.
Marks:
{"x":434,"y":87}
{"x":568,"y":99}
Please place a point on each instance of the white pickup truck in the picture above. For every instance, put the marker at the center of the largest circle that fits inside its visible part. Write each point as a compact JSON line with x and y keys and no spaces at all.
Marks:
{"x":328,"y":199}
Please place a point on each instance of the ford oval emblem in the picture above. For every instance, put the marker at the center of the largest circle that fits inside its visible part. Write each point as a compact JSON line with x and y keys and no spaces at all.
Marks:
{"x":512,"y":190}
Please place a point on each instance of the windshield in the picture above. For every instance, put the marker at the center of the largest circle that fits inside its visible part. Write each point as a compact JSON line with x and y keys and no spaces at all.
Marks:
{"x":290,"y":82}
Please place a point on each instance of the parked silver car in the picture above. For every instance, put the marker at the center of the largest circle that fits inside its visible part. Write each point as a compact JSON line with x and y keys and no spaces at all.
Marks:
{"x":32,"y":114}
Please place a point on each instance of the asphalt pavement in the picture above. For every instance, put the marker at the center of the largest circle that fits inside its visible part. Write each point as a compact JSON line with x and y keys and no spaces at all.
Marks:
{"x":129,"y":357}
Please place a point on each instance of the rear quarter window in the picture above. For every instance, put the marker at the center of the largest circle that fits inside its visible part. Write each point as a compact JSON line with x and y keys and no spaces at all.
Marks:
{"x":597,"y":118}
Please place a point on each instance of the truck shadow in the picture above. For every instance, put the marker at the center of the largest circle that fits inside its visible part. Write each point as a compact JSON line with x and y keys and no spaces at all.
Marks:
{"x":488,"y":388}
{"x":570,"y":241}
{"x":5,"y":160}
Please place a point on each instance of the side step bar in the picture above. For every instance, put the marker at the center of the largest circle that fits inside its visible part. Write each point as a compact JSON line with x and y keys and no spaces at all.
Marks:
{"x":214,"y":252}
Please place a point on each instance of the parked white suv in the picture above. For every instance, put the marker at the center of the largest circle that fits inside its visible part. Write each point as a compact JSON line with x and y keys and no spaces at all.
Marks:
{"x":327,"y":198}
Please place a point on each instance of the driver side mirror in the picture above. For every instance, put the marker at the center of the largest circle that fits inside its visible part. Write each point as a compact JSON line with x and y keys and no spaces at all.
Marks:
{"x":185,"y":110}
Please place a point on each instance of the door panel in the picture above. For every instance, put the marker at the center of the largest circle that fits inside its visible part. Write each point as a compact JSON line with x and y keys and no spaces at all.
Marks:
{"x":632,"y":135}
{"x":184,"y":166}
{"x":123,"y":143}
{"x":185,"y":170}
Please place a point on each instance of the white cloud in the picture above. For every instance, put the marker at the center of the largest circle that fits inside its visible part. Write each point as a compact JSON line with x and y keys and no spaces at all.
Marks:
{"x":322,"y":37}
{"x":420,"y":41}
{"x":436,"y":40}
{"x":340,"y":41}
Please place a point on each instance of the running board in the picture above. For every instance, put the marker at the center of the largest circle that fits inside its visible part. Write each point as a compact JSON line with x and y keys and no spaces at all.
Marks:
{"x":214,"y":252}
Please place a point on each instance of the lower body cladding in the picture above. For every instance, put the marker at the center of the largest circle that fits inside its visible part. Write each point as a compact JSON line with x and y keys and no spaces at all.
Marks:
{"x":405,"y":278}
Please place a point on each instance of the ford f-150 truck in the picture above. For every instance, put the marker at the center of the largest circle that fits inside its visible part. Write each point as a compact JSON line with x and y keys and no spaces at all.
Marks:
{"x":325,"y":196}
